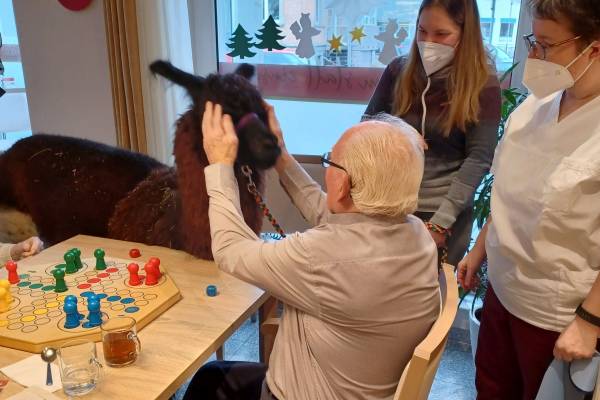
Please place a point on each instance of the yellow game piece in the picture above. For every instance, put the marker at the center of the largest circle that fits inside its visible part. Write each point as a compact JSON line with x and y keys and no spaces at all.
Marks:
{"x":3,"y":302}
{"x":4,"y":283}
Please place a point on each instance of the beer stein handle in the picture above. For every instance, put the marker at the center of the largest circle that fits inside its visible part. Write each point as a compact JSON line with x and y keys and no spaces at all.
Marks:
{"x":138,"y":344}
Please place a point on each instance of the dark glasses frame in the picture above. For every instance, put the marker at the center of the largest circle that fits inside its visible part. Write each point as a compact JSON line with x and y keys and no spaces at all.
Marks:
{"x":326,"y":162}
{"x":533,"y":45}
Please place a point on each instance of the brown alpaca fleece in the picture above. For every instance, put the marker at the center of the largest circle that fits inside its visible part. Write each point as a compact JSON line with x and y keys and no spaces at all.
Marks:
{"x":171,"y":205}
{"x":73,"y":186}
{"x":194,"y":224}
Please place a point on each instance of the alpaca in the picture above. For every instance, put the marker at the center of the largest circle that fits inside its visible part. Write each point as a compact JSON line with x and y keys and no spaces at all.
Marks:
{"x":74,"y":186}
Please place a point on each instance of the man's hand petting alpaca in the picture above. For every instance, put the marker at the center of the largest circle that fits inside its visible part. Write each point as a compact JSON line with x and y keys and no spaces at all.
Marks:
{"x":219,"y":137}
{"x":284,"y":158}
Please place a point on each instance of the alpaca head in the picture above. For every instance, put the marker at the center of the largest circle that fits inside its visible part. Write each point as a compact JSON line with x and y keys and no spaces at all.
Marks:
{"x":240,"y":99}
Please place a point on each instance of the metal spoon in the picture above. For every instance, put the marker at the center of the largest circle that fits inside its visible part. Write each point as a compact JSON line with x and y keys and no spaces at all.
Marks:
{"x":49,"y":355}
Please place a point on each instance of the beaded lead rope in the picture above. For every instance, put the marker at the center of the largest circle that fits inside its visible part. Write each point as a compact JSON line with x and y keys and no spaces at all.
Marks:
{"x":247,"y":171}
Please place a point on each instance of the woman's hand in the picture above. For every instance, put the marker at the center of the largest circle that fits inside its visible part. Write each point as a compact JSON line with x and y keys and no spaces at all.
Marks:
{"x":438,"y":238}
{"x":578,"y":340}
{"x":219,"y":138}
{"x":467,"y":270}
{"x":26,"y":248}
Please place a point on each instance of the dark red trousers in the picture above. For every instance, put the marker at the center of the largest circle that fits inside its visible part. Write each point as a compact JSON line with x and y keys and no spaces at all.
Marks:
{"x":512,"y":355}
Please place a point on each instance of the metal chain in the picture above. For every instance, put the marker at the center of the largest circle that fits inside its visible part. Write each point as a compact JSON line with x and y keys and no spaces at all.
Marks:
{"x":247,"y":172}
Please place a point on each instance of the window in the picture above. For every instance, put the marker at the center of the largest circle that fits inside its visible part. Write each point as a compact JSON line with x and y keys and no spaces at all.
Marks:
{"x":507,"y":27}
{"x":271,"y":7}
{"x":14,"y":112}
{"x":486,"y":29}
{"x":323,"y":58}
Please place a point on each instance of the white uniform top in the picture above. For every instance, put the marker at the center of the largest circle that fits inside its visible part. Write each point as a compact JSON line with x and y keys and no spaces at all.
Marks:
{"x":543,"y":244}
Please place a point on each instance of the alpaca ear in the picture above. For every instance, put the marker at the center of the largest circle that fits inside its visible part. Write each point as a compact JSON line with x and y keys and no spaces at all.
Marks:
{"x":191,"y":82}
{"x":245,"y":70}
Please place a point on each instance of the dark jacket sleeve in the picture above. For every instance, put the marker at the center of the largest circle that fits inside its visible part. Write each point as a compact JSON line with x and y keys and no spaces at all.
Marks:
{"x":383,"y":96}
{"x":481,"y":142}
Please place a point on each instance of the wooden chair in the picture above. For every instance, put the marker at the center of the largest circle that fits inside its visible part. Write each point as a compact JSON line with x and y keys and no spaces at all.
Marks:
{"x":417,"y":378}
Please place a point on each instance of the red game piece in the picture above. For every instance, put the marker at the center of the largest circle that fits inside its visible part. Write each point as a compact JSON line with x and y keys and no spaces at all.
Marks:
{"x":134,"y":277}
{"x":13,"y":276}
{"x":152,"y":274}
{"x":156,"y":262}
{"x":134,"y":253}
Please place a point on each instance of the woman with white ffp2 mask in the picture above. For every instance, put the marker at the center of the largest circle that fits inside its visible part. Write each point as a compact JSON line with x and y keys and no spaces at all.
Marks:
{"x":542,"y":239}
{"x":447,"y":90}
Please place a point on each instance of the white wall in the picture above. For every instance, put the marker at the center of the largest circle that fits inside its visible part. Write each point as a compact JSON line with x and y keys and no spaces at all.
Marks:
{"x":65,"y":61}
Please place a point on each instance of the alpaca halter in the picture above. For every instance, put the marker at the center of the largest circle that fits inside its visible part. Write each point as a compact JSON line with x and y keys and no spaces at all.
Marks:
{"x":247,"y":171}
{"x":245,"y":120}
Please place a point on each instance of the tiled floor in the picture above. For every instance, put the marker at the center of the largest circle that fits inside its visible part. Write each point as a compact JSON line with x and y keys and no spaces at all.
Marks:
{"x":454,"y":379}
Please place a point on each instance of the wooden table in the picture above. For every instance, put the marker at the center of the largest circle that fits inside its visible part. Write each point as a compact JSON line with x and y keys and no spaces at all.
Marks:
{"x":180,"y":340}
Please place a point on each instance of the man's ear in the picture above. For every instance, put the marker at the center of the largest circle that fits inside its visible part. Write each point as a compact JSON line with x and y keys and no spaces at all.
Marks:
{"x":345,"y":188}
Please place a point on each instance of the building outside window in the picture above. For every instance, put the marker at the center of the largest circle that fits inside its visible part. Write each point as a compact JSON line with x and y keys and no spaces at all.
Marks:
{"x":507,"y":28}
{"x":271,"y":7}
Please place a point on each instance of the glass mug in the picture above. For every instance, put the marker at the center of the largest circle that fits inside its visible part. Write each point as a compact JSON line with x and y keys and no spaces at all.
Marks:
{"x":120,"y":341}
{"x":80,"y":370}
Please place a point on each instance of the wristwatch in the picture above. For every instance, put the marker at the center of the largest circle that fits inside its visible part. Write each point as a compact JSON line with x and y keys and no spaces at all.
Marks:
{"x":586,"y":316}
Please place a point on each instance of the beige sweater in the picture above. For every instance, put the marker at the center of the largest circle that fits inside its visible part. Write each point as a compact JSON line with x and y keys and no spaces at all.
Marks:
{"x":5,"y":253}
{"x":360,"y":292}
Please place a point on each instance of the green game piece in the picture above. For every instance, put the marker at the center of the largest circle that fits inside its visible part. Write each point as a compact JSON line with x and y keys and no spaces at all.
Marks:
{"x":77,"y":254}
{"x":78,"y":258}
{"x":60,"y":285}
{"x":100,"y":263}
{"x":70,"y":260}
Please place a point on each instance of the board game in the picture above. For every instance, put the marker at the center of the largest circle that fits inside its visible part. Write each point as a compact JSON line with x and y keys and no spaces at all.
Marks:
{"x":36,"y":316}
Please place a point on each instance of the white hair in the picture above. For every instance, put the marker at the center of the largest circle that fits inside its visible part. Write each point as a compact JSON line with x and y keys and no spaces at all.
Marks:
{"x":385,"y":161}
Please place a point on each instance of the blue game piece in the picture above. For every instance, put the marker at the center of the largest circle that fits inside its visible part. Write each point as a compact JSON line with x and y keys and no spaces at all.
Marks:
{"x":95,"y":316}
{"x":211,"y":290}
{"x":73,"y":299}
{"x":72,"y":320}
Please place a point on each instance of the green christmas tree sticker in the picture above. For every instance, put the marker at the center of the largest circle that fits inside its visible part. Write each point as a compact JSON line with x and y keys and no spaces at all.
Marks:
{"x":240,"y":43}
{"x":269,"y":36}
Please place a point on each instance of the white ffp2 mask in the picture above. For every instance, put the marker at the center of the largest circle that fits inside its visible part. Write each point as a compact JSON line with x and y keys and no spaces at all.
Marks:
{"x":544,"y":78}
{"x":435,"y":56}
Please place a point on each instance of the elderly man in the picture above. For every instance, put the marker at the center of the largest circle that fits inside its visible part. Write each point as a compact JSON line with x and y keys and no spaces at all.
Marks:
{"x":360,"y":289}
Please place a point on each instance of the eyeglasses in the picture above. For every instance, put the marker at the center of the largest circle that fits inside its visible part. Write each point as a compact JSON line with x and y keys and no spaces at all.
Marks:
{"x":540,"y":50}
{"x":326,"y":162}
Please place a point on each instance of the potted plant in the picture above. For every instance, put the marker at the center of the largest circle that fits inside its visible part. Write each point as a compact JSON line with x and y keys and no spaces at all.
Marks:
{"x":511,"y":98}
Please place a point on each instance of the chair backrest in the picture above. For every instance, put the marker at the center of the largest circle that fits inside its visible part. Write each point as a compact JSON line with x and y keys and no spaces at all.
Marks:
{"x":417,"y":378}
